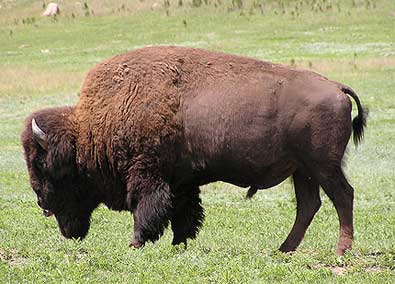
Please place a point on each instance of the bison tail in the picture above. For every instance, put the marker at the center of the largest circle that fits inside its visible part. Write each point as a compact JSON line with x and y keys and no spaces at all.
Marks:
{"x":359,"y":122}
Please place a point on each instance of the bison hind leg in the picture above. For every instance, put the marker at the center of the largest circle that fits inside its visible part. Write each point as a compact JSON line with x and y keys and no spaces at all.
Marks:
{"x":188,"y":214}
{"x":341,"y":193}
{"x":308,"y":202}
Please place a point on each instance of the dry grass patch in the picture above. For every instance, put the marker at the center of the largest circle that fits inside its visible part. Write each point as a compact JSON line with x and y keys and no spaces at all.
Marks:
{"x":22,"y":81}
{"x":345,"y":65}
{"x":75,"y":9}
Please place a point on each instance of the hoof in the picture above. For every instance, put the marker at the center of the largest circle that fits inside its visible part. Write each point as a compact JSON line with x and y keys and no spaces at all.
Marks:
{"x":344,"y":245}
{"x":178,"y":242}
{"x":340,"y":251}
{"x":287,"y":248}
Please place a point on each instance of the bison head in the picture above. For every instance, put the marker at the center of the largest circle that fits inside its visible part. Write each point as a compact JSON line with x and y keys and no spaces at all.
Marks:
{"x":49,"y":142}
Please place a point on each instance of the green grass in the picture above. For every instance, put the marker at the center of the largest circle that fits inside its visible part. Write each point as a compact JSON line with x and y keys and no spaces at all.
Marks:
{"x":43,"y":64}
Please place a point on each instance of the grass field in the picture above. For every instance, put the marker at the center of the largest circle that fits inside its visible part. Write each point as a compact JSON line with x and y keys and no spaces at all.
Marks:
{"x":43,"y":62}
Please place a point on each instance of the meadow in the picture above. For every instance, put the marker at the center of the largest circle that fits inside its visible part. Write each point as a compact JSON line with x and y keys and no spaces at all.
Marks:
{"x":43,"y":62}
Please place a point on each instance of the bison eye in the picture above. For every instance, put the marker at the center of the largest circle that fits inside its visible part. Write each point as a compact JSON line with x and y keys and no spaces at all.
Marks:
{"x":47,"y":213}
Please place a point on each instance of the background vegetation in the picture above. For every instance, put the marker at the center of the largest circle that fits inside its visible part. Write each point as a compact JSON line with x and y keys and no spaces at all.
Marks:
{"x":43,"y":62}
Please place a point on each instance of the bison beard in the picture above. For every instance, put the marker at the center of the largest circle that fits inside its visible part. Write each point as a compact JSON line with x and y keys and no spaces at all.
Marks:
{"x":154,"y":124}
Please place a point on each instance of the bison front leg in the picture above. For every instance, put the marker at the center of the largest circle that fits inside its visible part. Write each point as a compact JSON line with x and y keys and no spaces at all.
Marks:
{"x":188,"y":214}
{"x":150,"y":202}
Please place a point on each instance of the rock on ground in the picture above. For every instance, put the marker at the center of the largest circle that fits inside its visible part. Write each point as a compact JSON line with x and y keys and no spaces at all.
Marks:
{"x":52,"y":10}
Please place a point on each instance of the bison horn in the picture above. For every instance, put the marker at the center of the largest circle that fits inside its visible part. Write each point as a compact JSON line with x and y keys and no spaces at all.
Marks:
{"x":39,"y":135}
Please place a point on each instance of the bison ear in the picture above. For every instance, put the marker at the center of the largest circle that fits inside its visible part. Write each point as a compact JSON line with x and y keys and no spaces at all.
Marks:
{"x":39,"y":135}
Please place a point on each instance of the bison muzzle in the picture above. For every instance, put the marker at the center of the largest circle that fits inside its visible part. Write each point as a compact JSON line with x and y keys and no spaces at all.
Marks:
{"x":154,"y":124}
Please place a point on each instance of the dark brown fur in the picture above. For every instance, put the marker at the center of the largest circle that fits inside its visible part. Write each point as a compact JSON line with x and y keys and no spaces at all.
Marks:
{"x":154,"y":124}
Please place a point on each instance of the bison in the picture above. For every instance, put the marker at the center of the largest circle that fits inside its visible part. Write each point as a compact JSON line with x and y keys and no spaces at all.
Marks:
{"x":154,"y":124}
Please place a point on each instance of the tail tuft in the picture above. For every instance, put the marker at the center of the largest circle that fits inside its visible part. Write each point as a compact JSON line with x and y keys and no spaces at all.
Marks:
{"x":358,"y":125}
{"x":359,"y":122}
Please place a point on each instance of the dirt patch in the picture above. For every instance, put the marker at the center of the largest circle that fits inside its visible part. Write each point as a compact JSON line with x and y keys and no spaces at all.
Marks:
{"x":338,"y":270}
{"x":343,"y":270}
{"x":12,"y":257}
{"x":374,"y":269}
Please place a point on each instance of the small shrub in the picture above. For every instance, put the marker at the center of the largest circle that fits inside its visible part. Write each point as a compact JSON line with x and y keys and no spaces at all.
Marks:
{"x":237,"y":4}
{"x":197,"y":3}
